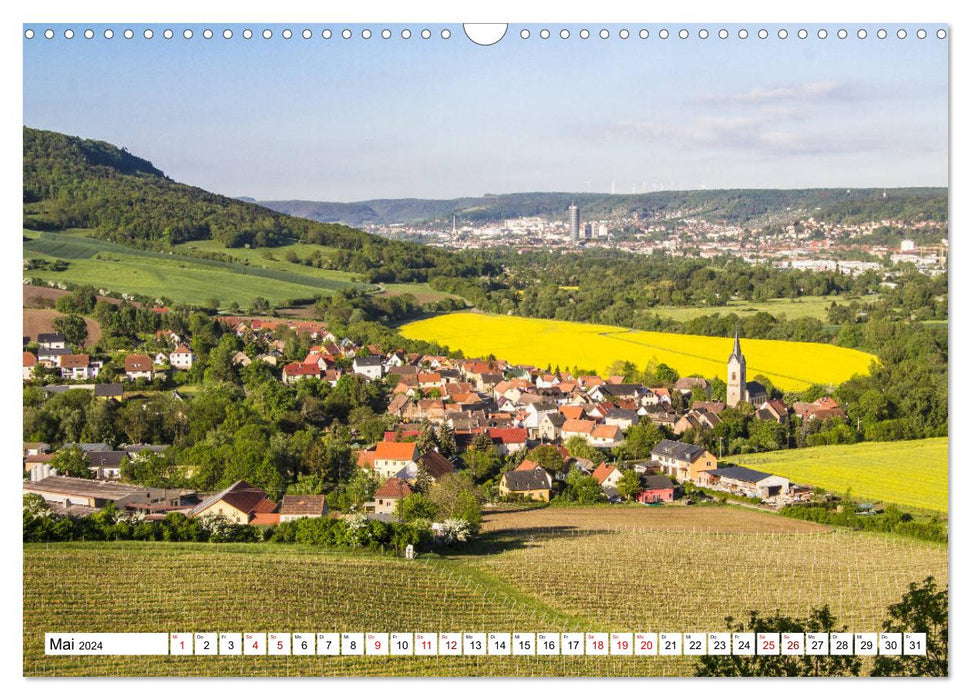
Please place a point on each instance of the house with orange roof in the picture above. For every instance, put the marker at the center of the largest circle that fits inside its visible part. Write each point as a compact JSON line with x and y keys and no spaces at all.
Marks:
{"x":606,"y":435}
{"x":508,"y":440}
{"x":395,"y":459}
{"x":322,"y":361}
{"x":608,"y":476}
{"x":528,"y":465}
{"x":574,"y":427}
{"x":573,"y":412}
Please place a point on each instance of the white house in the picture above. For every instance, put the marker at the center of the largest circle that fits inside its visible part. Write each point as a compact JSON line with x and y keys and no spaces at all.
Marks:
{"x":396,"y":459}
{"x":181,"y":358}
{"x":608,"y":475}
{"x":30,"y":361}
{"x":79,"y":367}
{"x":51,"y":341}
{"x":370,"y":366}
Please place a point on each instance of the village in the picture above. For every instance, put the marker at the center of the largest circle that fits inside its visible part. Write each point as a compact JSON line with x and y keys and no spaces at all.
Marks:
{"x":546,"y":428}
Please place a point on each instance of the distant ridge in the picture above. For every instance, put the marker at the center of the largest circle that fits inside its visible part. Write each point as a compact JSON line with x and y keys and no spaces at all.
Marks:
{"x":741,"y":207}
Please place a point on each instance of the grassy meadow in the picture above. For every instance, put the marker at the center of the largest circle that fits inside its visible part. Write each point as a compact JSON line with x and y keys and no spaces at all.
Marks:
{"x":185,"y":277}
{"x":803,"y":307}
{"x":529,"y":571}
{"x":790,"y":365}
{"x":909,"y":473}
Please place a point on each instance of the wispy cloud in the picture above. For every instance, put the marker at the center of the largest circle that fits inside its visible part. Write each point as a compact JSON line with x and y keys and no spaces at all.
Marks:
{"x":803,"y":92}
{"x":760,"y":134}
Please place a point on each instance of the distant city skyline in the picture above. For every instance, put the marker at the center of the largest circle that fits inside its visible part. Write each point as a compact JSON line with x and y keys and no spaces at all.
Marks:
{"x":357,"y":119}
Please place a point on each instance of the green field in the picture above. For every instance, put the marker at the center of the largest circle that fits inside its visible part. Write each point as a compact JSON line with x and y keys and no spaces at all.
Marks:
{"x":808,"y":306}
{"x":185,"y":277}
{"x":542,"y":342}
{"x":657,"y":569}
{"x":910,"y":473}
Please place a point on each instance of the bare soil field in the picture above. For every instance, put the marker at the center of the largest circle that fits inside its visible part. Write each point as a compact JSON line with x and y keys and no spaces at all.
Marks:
{"x":42,"y":321}
{"x":664,"y":518}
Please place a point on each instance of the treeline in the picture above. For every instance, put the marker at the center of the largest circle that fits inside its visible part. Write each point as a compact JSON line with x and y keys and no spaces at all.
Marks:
{"x":111,"y":525}
{"x":891,"y":520}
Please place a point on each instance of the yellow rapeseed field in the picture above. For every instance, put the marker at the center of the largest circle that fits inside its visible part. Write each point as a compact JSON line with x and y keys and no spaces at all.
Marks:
{"x":908,"y":472}
{"x":790,"y":366}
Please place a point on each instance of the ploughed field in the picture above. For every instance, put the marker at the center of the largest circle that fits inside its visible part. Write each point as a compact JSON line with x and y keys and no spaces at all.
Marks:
{"x":908,"y":472}
{"x":671,"y":568}
{"x":791,"y":366}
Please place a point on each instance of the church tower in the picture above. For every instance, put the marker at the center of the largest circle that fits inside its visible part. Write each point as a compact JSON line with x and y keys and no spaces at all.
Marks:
{"x":737,"y":391}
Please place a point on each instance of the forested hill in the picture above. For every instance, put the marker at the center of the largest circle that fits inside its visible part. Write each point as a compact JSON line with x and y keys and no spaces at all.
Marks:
{"x":743,"y":207}
{"x":71,"y":182}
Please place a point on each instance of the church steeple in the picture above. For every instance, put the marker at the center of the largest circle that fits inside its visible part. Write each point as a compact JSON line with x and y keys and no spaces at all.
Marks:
{"x":737,"y":350}
{"x":737,"y":388}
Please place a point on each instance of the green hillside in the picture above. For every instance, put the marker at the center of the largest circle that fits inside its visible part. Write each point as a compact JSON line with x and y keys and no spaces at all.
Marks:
{"x":71,"y":182}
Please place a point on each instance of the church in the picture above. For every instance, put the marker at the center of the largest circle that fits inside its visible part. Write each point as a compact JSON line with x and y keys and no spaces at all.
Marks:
{"x":739,"y":390}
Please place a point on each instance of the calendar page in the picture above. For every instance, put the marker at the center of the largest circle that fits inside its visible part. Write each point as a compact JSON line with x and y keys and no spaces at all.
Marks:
{"x":544,"y":349}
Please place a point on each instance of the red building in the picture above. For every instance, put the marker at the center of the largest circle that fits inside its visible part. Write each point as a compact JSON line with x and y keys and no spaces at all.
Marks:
{"x":657,"y":489}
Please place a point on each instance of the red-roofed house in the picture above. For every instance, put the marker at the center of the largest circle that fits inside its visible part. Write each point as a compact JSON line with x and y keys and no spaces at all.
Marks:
{"x":79,"y":367}
{"x":240,"y":503}
{"x":508,"y":440}
{"x":607,"y":475}
{"x":294,"y":507}
{"x":181,"y":358}
{"x":30,"y":361}
{"x":386,"y":498}
{"x":297,"y":371}
{"x":139,"y":366}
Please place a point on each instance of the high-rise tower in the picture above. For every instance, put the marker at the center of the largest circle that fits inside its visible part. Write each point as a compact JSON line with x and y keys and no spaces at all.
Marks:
{"x":737,"y":391}
{"x":574,"y":221}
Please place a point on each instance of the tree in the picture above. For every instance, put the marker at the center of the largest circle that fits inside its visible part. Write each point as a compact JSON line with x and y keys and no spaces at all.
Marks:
{"x":72,"y":462}
{"x":149,"y":468}
{"x":640,"y":440}
{"x":482,"y":465}
{"x":329,"y":459}
{"x":260,"y":306}
{"x":578,"y":447}
{"x":415,"y":506}
{"x":446,"y":440}
{"x":455,"y":495}
{"x":582,"y":488}
{"x":629,"y":485}
{"x":426,"y":440}
{"x":481,"y":442}
{"x":819,"y":620}
{"x":74,"y":328}
{"x":548,"y":457}
{"x":923,"y":608}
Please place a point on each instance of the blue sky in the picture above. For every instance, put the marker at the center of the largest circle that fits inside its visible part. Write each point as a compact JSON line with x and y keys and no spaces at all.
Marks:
{"x":359,"y":119}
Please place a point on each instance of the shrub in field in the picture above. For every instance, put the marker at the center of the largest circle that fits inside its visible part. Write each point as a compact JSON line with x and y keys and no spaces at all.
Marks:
{"x":456,"y":530}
